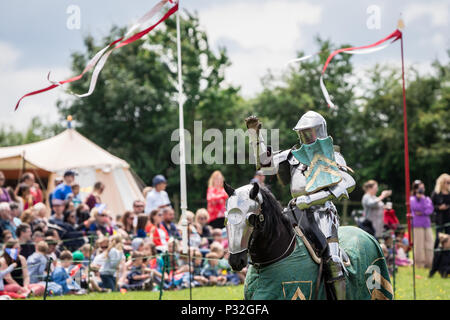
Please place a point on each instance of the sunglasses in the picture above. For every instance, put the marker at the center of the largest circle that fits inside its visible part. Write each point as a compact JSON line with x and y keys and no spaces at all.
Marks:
{"x":104,"y":247}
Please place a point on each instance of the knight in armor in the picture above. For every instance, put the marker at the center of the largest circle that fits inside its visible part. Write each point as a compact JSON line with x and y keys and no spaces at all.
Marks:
{"x":317,"y":174}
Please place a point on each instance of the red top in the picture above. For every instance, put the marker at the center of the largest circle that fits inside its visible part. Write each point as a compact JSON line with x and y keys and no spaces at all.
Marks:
{"x":36,"y":194}
{"x":389,"y":217}
{"x":156,"y":233}
{"x":216,"y":203}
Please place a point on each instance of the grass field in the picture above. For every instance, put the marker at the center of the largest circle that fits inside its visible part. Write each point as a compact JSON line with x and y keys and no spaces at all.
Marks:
{"x":435,"y":288}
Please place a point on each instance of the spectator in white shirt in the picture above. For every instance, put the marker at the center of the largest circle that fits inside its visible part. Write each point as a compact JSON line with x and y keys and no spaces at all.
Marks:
{"x":157,"y":198}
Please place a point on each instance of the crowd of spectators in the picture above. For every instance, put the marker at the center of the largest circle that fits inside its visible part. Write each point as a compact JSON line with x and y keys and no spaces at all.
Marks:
{"x":430,"y":249}
{"x":74,"y":245}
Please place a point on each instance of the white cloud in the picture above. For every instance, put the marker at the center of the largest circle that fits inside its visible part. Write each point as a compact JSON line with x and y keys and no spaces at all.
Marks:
{"x":15,"y":82}
{"x":262,"y":36}
{"x":438,"y":12}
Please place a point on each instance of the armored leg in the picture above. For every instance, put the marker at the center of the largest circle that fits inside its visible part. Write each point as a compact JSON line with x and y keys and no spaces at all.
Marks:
{"x":328,"y":222}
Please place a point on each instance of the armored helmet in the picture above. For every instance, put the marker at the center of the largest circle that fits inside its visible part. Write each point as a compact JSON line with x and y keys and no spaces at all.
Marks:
{"x":310,"y":127}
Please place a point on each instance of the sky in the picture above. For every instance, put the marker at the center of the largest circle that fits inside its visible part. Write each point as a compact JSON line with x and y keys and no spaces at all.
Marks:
{"x":259,"y":35}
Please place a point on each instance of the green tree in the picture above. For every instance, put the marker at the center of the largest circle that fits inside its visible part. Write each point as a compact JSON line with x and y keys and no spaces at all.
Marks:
{"x":378,"y":128}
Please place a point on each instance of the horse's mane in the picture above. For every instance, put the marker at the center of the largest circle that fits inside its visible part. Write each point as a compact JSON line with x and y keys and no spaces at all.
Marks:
{"x":274,"y":219}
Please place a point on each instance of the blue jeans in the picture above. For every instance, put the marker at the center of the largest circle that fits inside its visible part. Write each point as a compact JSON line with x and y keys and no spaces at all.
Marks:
{"x":108,"y":281}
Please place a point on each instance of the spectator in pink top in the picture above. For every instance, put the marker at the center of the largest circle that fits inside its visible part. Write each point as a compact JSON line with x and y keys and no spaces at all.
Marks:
{"x":421,"y":209}
{"x":94,"y":197}
{"x":4,"y":195}
{"x":216,"y":198}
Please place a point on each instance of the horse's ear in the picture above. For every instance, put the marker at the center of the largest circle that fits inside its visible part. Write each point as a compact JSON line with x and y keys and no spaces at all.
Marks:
{"x":255,"y":190}
{"x":228,"y":189}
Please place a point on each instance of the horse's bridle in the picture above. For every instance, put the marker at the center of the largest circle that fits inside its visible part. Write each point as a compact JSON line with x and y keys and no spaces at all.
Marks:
{"x":259,"y":223}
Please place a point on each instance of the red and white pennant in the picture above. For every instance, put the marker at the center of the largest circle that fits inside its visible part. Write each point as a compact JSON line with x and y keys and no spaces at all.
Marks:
{"x":377,"y":46}
{"x":99,"y":60}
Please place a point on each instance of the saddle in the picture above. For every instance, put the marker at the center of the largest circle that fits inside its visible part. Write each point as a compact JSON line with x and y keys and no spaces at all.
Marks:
{"x":306,"y":227}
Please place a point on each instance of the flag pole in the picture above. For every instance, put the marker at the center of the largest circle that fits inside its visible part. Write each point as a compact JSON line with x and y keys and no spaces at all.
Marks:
{"x":406,"y":160}
{"x":181,"y":124}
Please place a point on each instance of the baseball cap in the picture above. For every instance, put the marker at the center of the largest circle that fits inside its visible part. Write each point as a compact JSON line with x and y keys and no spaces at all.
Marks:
{"x":158,"y":179}
{"x":70,"y":173}
{"x":78,"y":256}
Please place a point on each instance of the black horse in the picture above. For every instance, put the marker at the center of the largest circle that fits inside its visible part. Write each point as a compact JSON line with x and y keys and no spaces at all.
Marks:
{"x":281,"y":263}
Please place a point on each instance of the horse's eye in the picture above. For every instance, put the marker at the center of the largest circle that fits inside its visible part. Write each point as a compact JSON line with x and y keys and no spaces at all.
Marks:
{"x":252,"y":220}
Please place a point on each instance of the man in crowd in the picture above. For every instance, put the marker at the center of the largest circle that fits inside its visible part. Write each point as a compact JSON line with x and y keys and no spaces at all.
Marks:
{"x":23,"y":233}
{"x":157,"y":198}
{"x":57,"y":220}
{"x":64,"y":189}
{"x":168,"y":217}
{"x":259,"y":178}
{"x":138,"y":207}
{"x":15,"y":213}
{"x":5,"y":219}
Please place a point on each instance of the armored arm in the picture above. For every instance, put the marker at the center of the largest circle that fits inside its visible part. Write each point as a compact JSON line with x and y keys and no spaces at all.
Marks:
{"x":267,"y":160}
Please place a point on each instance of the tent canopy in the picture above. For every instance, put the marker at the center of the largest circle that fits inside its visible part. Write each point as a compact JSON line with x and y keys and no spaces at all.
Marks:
{"x":66,"y":150}
{"x":71,"y":150}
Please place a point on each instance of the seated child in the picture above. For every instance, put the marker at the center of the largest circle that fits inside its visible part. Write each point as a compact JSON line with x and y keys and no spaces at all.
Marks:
{"x":211,"y":270}
{"x":197,"y":268}
{"x":61,"y":274}
{"x":139,"y":277}
{"x":37,"y":263}
{"x":217,"y":235}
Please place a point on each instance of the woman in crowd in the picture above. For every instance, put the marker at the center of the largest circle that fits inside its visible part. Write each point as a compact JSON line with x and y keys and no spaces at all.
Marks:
{"x":158,"y":234}
{"x":23,"y":191}
{"x":4,"y":195}
{"x":203,"y":229}
{"x":94,"y":198}
{"x":40,"y":211}
{"x":441,"y":202}
{"x":15,"y":198}
{"x":216,"y":198}
{"x":101,"y":225}
{"x":82,"y":213}
{"x":421,"y":209}
{"x":18,"y":281}
{"x":142,"y":222}
{"x":108,"y":260}
{"x":127,"y":222}
{"x":373,"y":206}
{"x":27,"y":216}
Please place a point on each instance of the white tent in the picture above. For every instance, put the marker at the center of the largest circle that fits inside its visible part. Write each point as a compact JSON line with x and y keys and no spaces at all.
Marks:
{"x":70,"y":150}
